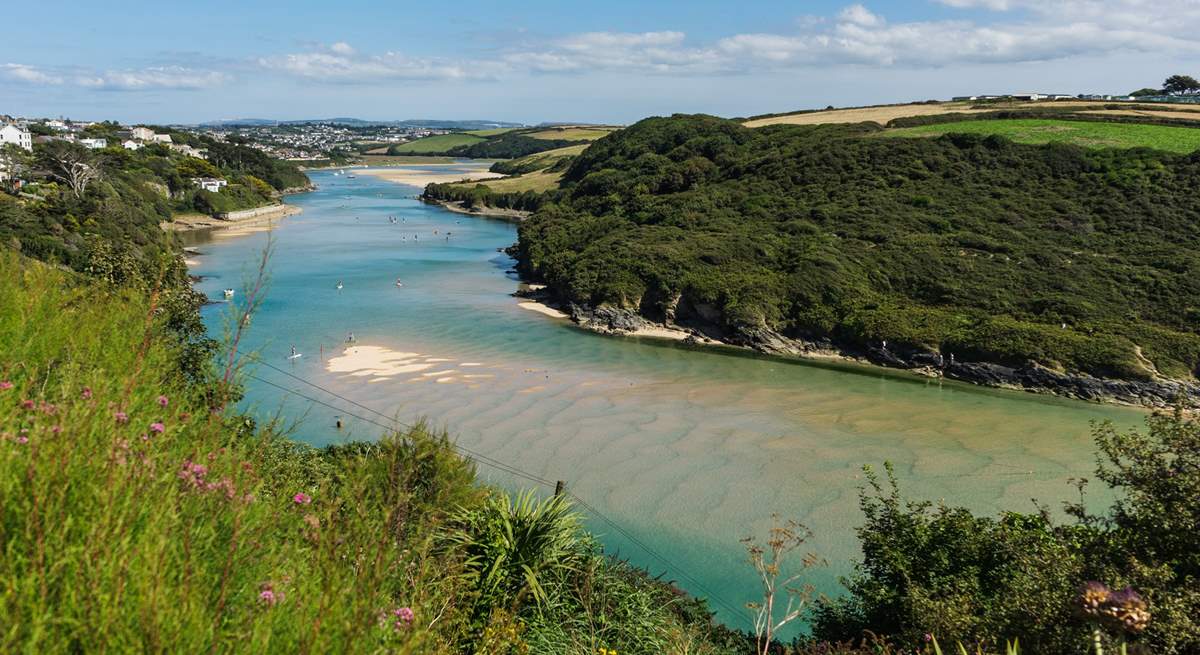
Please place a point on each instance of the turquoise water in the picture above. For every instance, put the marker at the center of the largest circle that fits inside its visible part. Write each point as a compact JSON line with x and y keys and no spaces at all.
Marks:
{"x":689,"y":450}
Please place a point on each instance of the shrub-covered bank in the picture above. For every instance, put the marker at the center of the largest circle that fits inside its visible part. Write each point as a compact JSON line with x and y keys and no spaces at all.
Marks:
{"x":1050,"y":265}
{"x":136,"y":516}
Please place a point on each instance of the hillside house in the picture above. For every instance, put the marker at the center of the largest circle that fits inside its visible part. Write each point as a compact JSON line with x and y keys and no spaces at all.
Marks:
{"x":130,"y":144}
{"x":212,"y":184}
{"x":94,"y":144}
{"x":17,"y":136}
{"x":142,"y":134}
{"x":162,"y":138}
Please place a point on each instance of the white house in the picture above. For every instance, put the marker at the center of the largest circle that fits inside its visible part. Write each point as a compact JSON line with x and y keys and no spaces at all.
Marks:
{"x":57,"y":125}
{"x":17,"y":136}
{"x":162,"y":138}
{"x":94,"y":144}
{"x":130,"y":144}
{"x":143,"y":134}
{"x":209,"y":183}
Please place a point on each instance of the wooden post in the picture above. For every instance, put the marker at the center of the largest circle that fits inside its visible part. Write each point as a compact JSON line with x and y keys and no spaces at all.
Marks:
{"x":558,"y":487}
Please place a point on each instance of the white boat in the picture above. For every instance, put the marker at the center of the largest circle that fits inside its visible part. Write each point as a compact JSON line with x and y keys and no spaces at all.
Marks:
{"x":297,"y":355}
{"x":339,"y":286}
{"x":229,"y":293}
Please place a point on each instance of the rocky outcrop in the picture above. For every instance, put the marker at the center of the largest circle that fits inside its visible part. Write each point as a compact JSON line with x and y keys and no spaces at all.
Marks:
{"x":1032,"y":377}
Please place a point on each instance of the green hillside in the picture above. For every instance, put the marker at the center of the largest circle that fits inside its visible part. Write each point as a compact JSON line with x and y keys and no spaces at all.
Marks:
{"x":1090,"y":134}
{"x":1078,"y":259}
{"x":439,"y":144}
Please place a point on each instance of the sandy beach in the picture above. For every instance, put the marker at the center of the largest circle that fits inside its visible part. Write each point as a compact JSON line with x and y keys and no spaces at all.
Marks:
{"x":261,"y":221}
{"x":420,"y":176}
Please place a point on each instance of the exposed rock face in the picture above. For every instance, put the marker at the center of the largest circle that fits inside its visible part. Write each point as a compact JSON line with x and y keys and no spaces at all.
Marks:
{"x":608,"y":320}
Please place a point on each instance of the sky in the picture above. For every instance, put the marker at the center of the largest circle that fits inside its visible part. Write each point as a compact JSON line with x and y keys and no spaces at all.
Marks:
{"x":606,"y":62}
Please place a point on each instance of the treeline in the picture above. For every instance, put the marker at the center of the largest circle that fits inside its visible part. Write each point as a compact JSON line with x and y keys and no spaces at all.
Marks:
{"x":100,"y":212}
{"x":1080,"y":260}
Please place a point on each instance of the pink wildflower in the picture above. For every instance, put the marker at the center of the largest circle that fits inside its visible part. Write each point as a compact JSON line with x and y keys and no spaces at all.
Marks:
{"x":157,"y":427}
{"x":22,"y":439}
{"x":405,"y":614}
{"x":56,"y":429}
{"x":162,"y":400}
{"x":87,"y":393}
{"x":121,"y":417}
{"x":302,"y":499}
{"x":267,"y":596}
{"x":5,"y":385}
{"x":26,"y":404}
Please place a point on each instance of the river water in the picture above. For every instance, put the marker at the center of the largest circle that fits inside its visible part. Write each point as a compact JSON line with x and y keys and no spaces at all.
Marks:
{"x":689,"y":450}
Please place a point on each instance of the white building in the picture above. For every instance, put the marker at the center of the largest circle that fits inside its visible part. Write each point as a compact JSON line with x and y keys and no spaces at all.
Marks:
{"x":209,"y":183}
{"x":94,"y":144}
{"x":162,"y":138}
{"x":130,"y":144}
{"x":57,"y":125}
{"x":187,"y":150}
{"x":17,"y":136}
{"x":143,"y":134}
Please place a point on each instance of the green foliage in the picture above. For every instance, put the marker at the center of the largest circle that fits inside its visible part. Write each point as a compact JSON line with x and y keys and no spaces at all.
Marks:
{"x":942,"y":570}
{"x":439,"y":144}
{"x":965,"y":244}
{"x":136,"y":516}
{"x":1091,"y":134}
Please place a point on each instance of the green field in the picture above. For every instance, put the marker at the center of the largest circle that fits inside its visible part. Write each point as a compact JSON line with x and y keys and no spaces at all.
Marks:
{"x":1082,"y":133}
{"x":496,"y":132}
{"x":572,"y":133}
{"x":435,"y":144}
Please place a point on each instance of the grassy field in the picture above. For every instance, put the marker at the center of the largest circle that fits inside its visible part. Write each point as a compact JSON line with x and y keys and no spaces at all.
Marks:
{"x":884,"y":113}
{"x":537,"y":181}
{"x":1088,"y":134}
{"x":439,"y":143}
{"x":391,"y":160}
{"x":545,"y":159}
{"x":573,"y":133}
{"x":496,"y":132}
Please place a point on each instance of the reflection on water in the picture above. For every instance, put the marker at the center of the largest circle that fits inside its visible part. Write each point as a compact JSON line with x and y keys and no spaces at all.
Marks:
{"x":688,"y":449}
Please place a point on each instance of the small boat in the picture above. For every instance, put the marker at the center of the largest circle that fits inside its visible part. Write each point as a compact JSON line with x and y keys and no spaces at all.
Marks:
{"x":352,"y":176}
{"x":229,"y":293}
{"x":296,"y":356}
{"x":339,"y":285}
{"x":399,"y":283}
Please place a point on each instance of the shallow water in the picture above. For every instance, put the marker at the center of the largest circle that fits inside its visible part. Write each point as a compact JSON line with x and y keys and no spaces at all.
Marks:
{"x":687,"y":449}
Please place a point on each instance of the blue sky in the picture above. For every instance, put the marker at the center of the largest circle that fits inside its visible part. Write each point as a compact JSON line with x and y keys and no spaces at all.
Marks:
{"x":613,"y":61}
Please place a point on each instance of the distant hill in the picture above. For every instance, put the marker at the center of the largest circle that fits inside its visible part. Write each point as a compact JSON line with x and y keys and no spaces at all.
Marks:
{"x":421,"y":122}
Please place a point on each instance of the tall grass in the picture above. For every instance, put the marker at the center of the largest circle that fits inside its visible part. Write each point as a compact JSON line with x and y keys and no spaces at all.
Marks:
{"x":135,"y":517}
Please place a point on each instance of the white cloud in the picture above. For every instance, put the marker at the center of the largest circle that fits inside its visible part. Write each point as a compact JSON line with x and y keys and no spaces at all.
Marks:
{"x":27,"y":74}
{"x":340,"y":62}
{"x":1040,"y":31}
{"x":158,"y":77}
{"x":860,"y":15}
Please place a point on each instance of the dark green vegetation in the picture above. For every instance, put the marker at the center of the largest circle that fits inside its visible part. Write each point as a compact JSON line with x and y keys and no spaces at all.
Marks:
{"x":939,"y":569}
{"x":100,"y":212}
{"x":1081,"y":260}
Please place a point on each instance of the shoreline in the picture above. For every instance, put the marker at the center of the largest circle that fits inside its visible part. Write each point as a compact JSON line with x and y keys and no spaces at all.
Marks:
{"x":194,"y":222}
{"x":456,"y":206}
{"x":1032,"y":378}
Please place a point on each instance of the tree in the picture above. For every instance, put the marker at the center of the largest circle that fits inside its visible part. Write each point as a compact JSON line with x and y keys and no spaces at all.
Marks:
{"x":1146,"y":92}
{"x":70,"y":163}
{"x":1181,"y":85}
